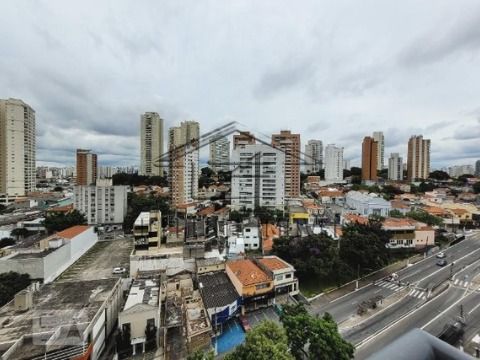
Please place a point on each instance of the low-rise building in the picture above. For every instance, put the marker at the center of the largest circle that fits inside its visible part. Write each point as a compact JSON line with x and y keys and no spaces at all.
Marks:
{"x":140,"y":317}
{"x":283,"y":274}
{"x":221,"y":299}
{"x":147,"y":229}
{"x":52,"y":255}
{"x":408,"y":234}
{"x":204,"y":266}
{"x":61,"y":320}
{"x":367,"y":204}
{"x":252,"y":283}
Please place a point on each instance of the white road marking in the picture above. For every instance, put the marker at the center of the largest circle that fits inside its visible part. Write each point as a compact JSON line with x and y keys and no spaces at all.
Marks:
{"x":415,"y":293}
{"x":455,"y":282}
{"x":474,"y":308}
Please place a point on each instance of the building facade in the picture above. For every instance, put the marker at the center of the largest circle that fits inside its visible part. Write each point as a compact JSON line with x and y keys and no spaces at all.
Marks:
{"x":313,"y":156}
{"x":151,"y":144}
{"x":369,"y":159}
{"x":333,"y":163}
{"x":17,"y":149}
{"x":290,"y":144}
{"x":258,"y":177}
{"x":418,"y":161}
{"x":395,"y":167}
{"x":101,"y":205}
{"x":379,"y":138}
{"x":477,"y":168}
{"x":219,"y":159}
{"x":459,"y":170}
{"x":243,"y":138}
{"x":86,"y":167}
{"x":184,"y":162}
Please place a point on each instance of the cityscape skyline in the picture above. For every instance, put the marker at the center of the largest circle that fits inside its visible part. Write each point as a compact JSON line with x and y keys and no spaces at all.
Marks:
{"x":400,"y":84}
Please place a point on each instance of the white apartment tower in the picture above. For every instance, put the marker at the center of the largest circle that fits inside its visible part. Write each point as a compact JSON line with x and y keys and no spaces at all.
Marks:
{"x":379,"y":138}
{"x":258,"y":177}
{"x":151,"y":144}
{"x":101,"y":203}
{"x":220,"y":155}
{"x":17,"y":149}
{"x":395,"y":167}
{"x":184,"y":162}
{"x":313,"y":156}
{"x":418,"y":161}
{"x":333,"y":163}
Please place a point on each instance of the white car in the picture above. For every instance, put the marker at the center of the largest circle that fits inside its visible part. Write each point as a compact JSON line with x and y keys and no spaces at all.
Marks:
{"x":441,"y":255}
{"x":119,"y":270}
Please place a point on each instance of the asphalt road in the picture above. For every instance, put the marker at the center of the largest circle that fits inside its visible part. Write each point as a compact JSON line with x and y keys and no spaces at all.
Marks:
{"x":420,"y":277}
{"x":415,"y":319}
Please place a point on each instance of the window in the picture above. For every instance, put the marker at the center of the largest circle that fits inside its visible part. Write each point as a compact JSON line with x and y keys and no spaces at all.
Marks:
{"x":288,"y":276}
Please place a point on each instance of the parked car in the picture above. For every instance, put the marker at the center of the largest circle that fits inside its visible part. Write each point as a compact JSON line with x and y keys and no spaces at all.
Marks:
{"x":441,"y":255}
{"x":441,"y":262}
{"x":245,"y":325}
{"x":119,"y":270}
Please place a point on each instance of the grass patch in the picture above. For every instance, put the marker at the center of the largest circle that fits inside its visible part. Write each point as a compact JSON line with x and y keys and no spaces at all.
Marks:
{"x":312,"y":287}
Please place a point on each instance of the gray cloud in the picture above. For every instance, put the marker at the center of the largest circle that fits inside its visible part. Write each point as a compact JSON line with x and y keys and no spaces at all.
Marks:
{"x":462,"y":35}
{"x":315,"y":69}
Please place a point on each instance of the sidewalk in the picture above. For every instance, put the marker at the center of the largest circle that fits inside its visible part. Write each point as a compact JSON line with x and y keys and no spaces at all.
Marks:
{"x":329,"y":296}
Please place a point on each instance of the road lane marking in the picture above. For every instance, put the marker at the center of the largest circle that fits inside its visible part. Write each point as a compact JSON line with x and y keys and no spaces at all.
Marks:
{"x":455,"y":282}
{"x":474,"y":308}
{"x":447,"y":309}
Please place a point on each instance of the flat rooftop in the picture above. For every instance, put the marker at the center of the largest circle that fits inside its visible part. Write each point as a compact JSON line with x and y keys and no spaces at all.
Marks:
{"x":55,"y":305}
{"x":99,"y":261}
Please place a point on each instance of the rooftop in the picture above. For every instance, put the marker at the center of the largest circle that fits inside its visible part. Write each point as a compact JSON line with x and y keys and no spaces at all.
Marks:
{"x":274,"y":263}
{"x":247,"y":272}
{"x":217,"y":290}
{"x":144,"y":290}
{"x":73,"y":231}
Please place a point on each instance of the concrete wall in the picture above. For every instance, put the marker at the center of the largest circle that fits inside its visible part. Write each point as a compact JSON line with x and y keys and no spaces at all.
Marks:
{"x":138,"y":320}
{"x":31,"y":266}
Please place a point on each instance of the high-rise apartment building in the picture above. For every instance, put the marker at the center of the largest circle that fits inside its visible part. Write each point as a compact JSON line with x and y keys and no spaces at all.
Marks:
{"x":379,"y":138}
{"x":258,"y":177}
{"x":183,"y":148}
{"x":86,"y":167}
{"x":333,"y":163}
{"x":459,"y":170}
{"x":17,"y":149}
{"x":220,"y":154}
{"x":418,"y":161}
{"x":290,"y":144}
{"x":313,"y":156}
{"x":395,"y":167}
{"x":151,"y":144}
{"x":243,"y":138}
{"x":369,"y":159}
{"x":477,"y":168}
{"x":346,"y":165}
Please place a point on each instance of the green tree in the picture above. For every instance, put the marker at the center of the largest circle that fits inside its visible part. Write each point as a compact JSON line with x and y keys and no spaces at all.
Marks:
{"x":237,"y":216}
{"x":362,"y":246}
{"x":267,"y":341}
{"x":476,"y":187}
{"x":139,"y":203}
{"x":60,"y":221}
{"x":7,"y":241}
{"x":11,"y":283}
{"x":58,"y":189}
{"x":2,"y":208}
{"x":313,"y":337}
{"x":425,"y":217}
{"x":439,"y":175}
{"x":396,"y":213}
{"x":464,"y":178}
{"x":314,"y":256}
{"x":200,"y":355}
{"x":19,"y":233}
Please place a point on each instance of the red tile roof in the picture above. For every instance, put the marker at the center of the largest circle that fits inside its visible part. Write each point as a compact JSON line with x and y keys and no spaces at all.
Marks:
{"x":73,"y":231}
{"x":273,"y":263}
{"x":247,"y":272}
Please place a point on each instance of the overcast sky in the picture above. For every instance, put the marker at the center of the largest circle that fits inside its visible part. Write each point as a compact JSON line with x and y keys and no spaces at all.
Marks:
{"x":330,"y":70}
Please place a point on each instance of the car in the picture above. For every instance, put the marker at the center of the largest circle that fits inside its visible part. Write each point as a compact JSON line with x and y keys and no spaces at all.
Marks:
{"x":245,"y":325}
{"x":441,"y":262}
{"x":119,"y":270}
{"x":441,"y":255}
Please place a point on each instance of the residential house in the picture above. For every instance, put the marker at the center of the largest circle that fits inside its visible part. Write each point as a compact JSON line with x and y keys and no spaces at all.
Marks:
{"x":252,"y":283}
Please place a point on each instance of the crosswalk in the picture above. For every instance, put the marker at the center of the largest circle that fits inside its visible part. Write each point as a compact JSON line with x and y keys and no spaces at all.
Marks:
{"x":419,"y":294}
{"x":389,"y":285}
{"x":461,"y":283}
